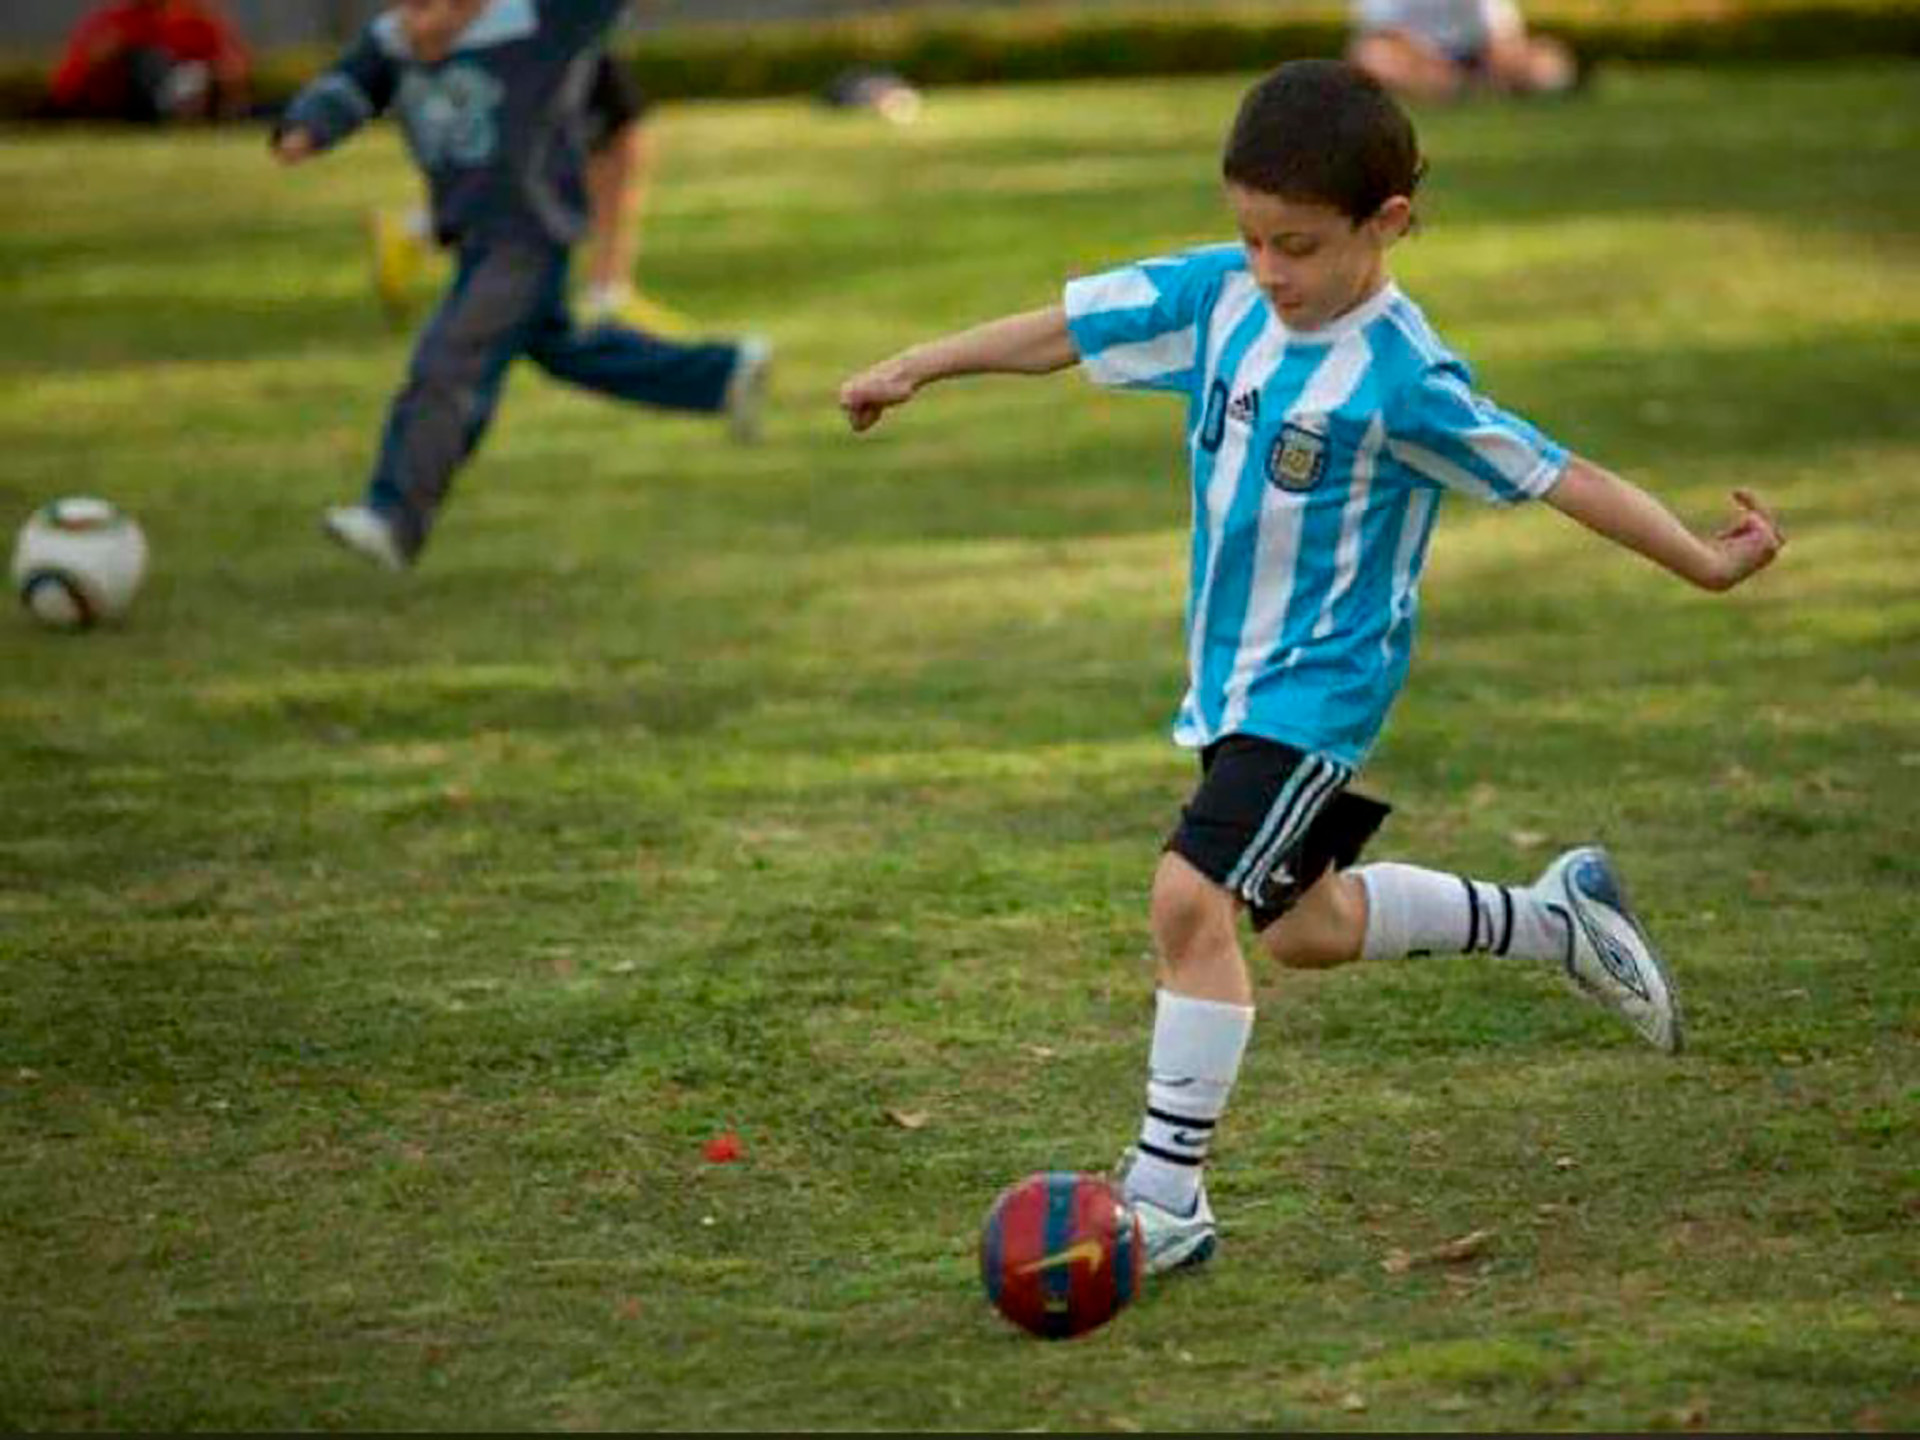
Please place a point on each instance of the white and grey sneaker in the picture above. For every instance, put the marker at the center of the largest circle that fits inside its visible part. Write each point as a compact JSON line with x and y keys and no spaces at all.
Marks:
{"x":746,"y":399}
{"x":1610,"y":958}
{"x":1173,"y":1242}
{"x":367,"y":533}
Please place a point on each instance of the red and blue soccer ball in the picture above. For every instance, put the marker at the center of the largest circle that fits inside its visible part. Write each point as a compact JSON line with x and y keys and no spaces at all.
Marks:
{"x":1061,"y":1253}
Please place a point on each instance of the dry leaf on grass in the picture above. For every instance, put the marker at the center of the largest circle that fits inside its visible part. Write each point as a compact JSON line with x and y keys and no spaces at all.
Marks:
{"x":1467,"y":1247}
{"x":1691,"y":1416}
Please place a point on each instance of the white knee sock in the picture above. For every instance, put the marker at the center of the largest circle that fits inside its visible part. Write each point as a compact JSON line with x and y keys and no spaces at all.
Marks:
{"x":1197,"y":1048}
{"x":1411,"y":911}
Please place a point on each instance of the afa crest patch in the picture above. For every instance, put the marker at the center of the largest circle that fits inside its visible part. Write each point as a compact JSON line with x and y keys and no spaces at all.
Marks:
{"x":1298,"y":458}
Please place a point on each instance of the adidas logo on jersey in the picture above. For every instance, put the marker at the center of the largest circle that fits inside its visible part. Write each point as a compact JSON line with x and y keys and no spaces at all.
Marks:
{"x":1244,"y":408}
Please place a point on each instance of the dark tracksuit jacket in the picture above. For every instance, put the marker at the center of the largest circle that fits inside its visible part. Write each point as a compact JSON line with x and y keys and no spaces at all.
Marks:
{"x":498,"y":127}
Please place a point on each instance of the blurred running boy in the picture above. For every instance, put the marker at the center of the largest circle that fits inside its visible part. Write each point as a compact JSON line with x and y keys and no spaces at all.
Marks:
{"x":492,"y":96}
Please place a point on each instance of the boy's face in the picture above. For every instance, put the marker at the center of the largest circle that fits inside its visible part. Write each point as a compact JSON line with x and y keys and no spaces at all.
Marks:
{"x":433,"y":25}
{"x":1311,"y":261}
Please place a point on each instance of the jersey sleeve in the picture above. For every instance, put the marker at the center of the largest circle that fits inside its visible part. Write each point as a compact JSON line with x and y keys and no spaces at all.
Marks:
{"x":358,"y":87}
{"x":1440,"y":428}
{"x":1137,"y":327}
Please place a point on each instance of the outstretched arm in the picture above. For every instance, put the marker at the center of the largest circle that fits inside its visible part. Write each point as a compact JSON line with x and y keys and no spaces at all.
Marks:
{"x":1033,"y":343}
{"x":1629,"y":516}
{"x":358,"y":87}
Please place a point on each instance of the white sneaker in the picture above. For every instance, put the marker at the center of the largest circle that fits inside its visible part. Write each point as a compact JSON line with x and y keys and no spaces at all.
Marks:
{"x":1610,"y":958}
{"x":1173,"y":1242}
{"x":746,"y":401}
{"x":367,"y":533}
{"x":1176,"y":1242}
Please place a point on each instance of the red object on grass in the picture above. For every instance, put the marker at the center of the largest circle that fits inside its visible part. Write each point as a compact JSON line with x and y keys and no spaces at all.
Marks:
{"x":724,"y":1147}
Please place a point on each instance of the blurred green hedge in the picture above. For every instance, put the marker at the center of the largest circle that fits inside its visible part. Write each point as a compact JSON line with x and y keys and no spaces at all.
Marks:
{"x":1047,"y":42}
{"x":1042,"y":43}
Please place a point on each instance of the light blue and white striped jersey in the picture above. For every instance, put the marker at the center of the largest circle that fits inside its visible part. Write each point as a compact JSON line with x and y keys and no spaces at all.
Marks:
{"x":1319,"y":459}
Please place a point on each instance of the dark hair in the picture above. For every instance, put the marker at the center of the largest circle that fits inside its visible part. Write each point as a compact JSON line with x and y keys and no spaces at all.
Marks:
{"x":1325,"y":132}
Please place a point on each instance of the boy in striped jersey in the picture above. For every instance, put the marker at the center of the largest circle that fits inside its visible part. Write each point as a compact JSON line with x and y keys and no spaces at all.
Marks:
{"x":1325,"y":420}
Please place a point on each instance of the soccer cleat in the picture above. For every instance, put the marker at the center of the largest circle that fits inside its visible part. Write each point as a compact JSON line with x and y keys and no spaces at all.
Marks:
{"x":746,"y":399}
{"x":367,"y":533}
{"x":1176,"y":1242}
{"x":1610,"y":958}
{"x":1172,"y":1242}
{"x":399,"y":256}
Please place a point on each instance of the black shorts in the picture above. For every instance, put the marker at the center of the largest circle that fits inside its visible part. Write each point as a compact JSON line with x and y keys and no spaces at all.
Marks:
{"x":1267,"y":821}
{"x":615,"y":101}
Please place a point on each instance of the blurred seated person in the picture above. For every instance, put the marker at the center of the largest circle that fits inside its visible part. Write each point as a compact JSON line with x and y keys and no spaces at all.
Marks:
{"x":153,"y":61}
{"x":872,"y":87}
{"x":1449,"y":49}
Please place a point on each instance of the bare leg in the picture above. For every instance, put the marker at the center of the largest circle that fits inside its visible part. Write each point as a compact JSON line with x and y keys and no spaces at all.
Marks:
{"x":1326,"y":927}
{"x":617,"y":177}
{"x":1196,"y":936}
{"x":1531,"y":65}
{"x":1408,"y":65}
{"x":1203,"y":1016}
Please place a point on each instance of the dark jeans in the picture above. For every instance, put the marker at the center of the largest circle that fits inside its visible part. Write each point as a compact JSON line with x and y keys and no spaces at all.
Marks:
{"x":506,"y":300}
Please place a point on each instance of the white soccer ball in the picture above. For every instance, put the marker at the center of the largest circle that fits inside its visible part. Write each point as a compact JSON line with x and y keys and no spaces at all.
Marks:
{"x":78,"y":561}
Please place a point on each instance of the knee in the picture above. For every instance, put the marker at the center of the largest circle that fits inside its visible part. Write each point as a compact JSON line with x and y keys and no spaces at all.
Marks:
{"x":433,"y":396}
{"x":1327,"y":927}
{"x":436,"y":384}
{"x":1191,"y":915}
{"x":449,"y":368}
{"x":1400,"y":64}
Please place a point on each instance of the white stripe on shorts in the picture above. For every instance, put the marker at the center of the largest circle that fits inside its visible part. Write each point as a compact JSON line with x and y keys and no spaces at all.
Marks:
{"x":1307,"y":791}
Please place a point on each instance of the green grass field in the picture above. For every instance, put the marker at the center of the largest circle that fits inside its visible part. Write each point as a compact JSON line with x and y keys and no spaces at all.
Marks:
{"x":379,"y":955}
